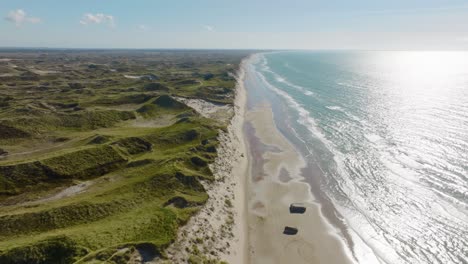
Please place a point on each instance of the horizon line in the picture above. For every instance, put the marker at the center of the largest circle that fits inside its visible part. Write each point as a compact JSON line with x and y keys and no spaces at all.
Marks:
{"x":215,"y":49}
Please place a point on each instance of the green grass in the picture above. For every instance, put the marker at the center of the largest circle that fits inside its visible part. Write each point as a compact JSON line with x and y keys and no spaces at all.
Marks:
{"x":94,"y":222}
{"x":133,"y":145}
{"x":119,"y":100}
{"x":118,"y":212}
{"x":143,"y":183}
{"x":9,"y":132}
{"x":38,"y":124}
{"x":88,"y":162}
{"x":161,"y":105}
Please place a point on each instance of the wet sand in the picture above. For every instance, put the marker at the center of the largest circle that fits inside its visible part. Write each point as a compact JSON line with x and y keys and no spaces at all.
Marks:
{"x":274,"y":181}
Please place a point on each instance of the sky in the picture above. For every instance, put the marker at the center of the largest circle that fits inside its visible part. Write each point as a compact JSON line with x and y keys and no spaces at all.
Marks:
{"x":236,"y":24}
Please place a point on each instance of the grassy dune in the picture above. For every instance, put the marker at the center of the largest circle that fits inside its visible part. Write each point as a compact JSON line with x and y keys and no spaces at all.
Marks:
{"x":79,"y":182}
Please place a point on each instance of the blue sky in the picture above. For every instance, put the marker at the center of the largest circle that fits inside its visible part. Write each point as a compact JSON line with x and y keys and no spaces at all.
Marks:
{"x":293,"y":24}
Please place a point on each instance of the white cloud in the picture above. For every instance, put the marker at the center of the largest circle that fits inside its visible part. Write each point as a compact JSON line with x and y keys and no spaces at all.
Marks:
{"x":143,"y":27}
{"x":19,"y":17}
{"x":98,"y":18}
{"x":208,"y":28}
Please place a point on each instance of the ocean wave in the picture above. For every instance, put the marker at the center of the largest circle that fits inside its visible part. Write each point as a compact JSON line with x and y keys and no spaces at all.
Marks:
{"x":335,"y":107}
{"x":348,"y":186}
{"x":283,"y":80}
{"x":384,"y":193}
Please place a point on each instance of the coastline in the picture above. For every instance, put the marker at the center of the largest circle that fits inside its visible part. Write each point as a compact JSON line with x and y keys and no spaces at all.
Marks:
{"x":267,"y":170}
{"x":259,"y":171}
{"x":219,"y":229}
{"x":240,"y":169}
{"x":274,"y":182}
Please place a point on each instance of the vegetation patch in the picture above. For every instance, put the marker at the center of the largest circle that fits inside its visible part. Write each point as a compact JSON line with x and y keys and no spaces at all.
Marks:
{"x":155,"y":87}
{"x":94,"y":119}
{"x":53,"y":250}
{"x":99,"y":139}
{"x":59,"y":217}
{"x":162,"y":105}
{"x":167,"y":101}
{"x":62,"y":131}
{"x":134,"y":145}
{"x":126,"y":99}
{"x":187,"y":82}
{"x":40,"y":123}
{"x":9,"y":132}
{"x":148,"y":110}
{"x":86,"y":163}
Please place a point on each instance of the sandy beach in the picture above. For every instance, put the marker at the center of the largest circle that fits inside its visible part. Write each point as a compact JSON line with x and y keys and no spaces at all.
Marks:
{"x":259,"y":171}
{"x":274,"y":182}
{"x":240,"y":172}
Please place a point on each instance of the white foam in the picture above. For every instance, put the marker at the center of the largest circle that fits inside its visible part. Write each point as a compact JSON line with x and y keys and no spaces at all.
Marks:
{"x":308,"y":122}
{"x":335,"y":107}
{"x":304,"y":116}
{"x":373,"y":137}
{"x":283,"y":80}
{"x":280,"y":79}
{"x":398,"y":190}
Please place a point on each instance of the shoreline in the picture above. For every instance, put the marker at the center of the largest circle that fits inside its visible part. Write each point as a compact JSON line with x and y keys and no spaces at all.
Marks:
{"x":239,"y":164}
{"x":240,"y":168}
{"x":275,"y":181}
{"x":219,"y":230}
{"x":260,"y":172}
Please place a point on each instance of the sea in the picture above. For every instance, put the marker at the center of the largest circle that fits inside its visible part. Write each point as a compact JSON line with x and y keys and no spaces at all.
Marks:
{"x":387,"y":135}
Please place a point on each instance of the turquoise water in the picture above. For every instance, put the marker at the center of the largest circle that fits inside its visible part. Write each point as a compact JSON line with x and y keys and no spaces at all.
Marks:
{"x":388,"y":132}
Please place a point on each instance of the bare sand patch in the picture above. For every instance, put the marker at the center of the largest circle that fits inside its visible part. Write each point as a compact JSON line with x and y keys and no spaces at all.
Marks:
{"x":222,"y":112}
{"x":274,"y":183}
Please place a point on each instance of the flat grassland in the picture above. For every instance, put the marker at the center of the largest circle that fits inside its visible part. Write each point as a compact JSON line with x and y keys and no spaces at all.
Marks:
{"x":100,"y":159}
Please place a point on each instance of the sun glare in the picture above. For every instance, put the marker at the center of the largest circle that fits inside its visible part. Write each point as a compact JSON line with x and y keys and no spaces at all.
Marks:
{"x":424,"y":71}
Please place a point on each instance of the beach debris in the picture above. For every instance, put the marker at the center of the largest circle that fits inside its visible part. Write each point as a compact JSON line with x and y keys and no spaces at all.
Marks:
{"x":290,"y":230}
{"x":297,"y":208}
